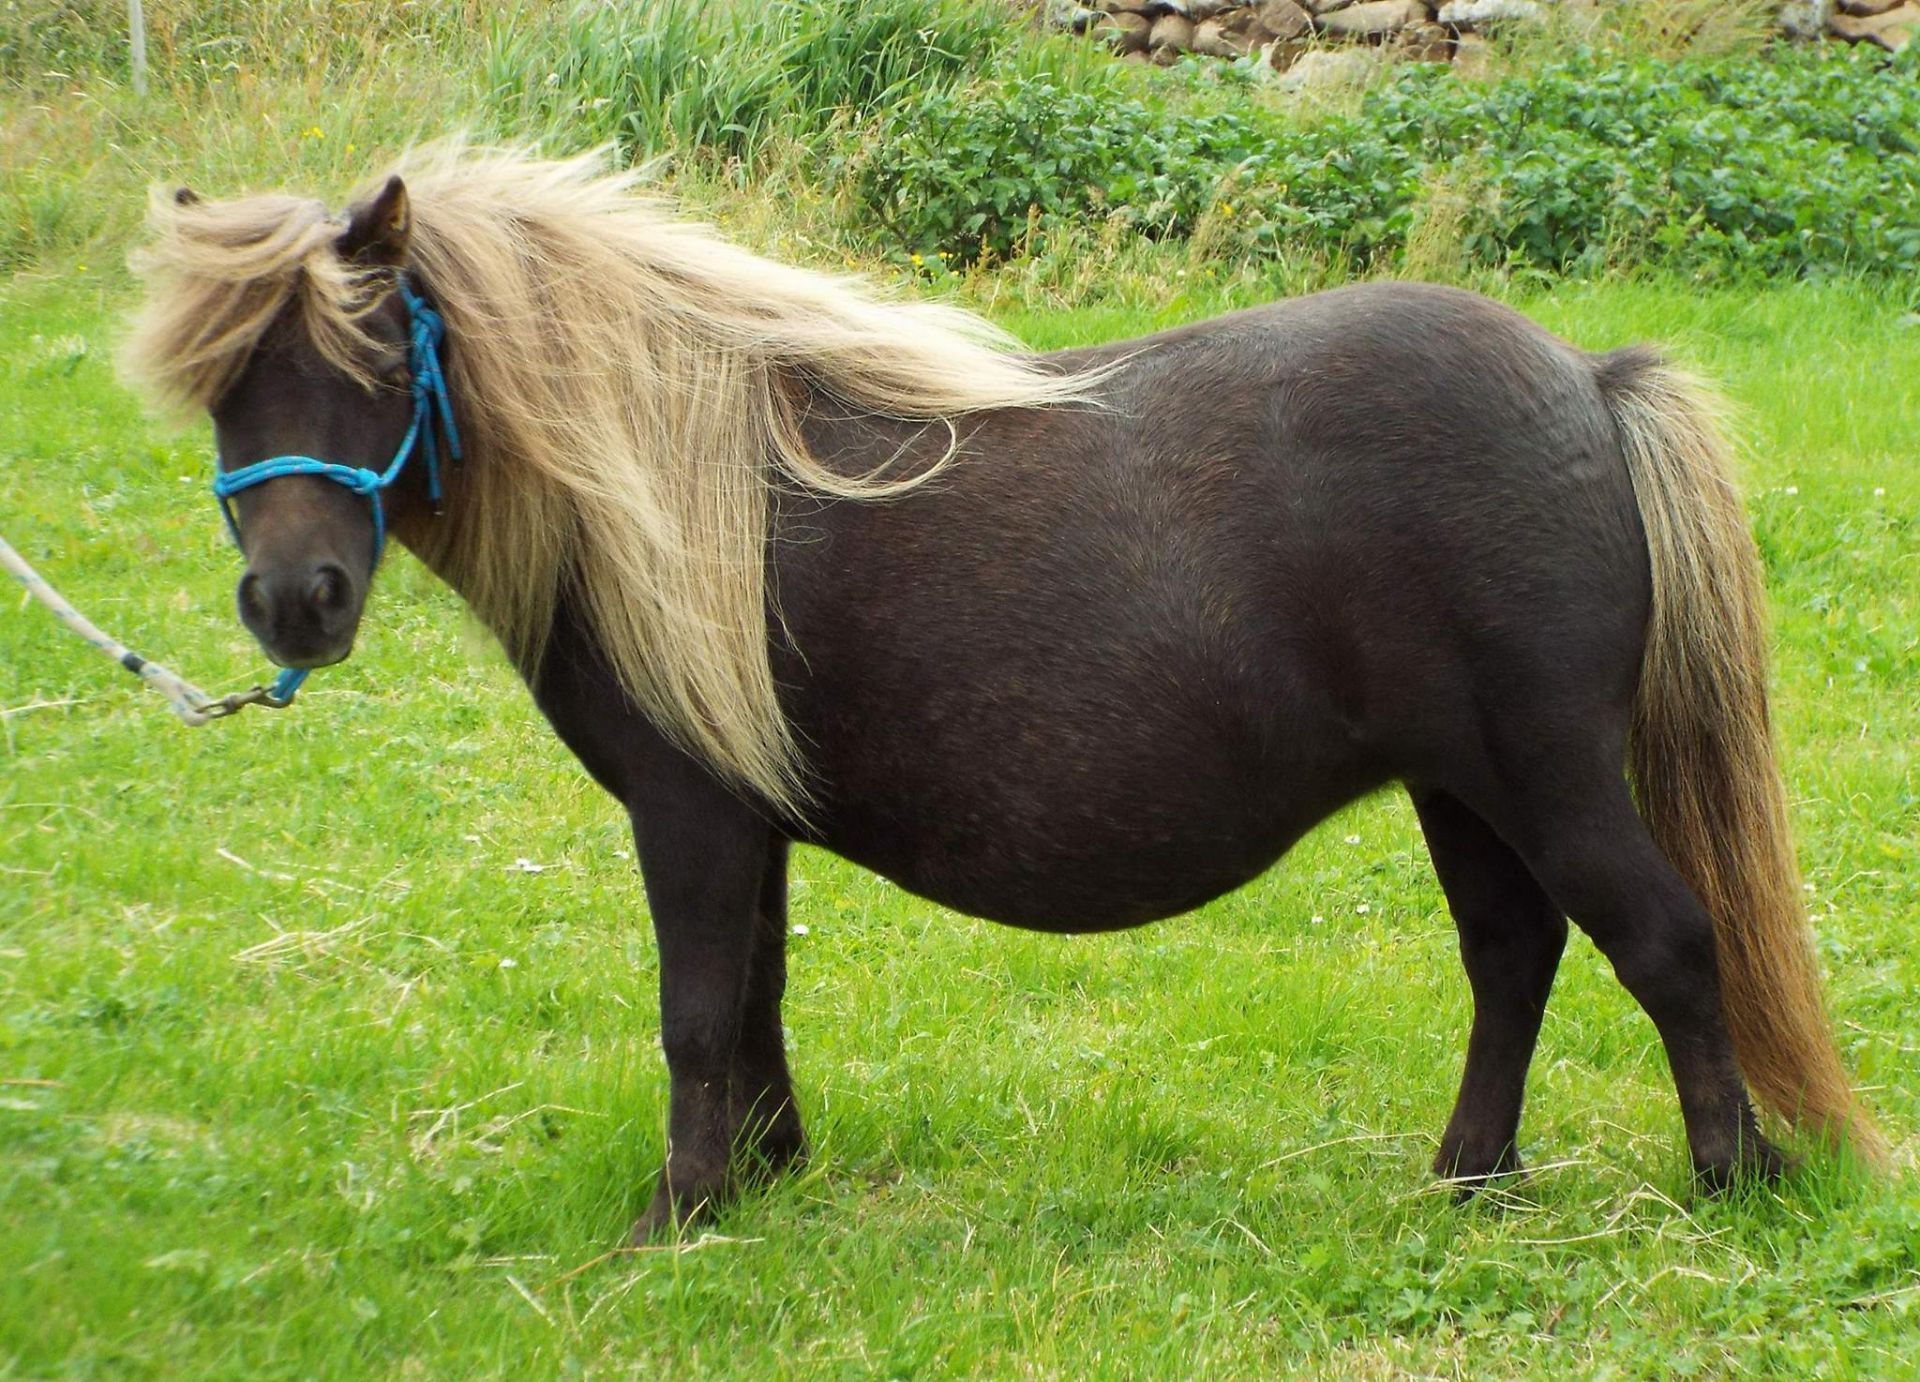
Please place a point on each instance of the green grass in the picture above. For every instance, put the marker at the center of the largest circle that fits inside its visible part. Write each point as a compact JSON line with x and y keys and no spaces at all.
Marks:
{"x":304,"y":1073}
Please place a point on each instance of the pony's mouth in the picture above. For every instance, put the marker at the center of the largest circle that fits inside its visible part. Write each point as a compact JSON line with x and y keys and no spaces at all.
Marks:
{"x":308,"y":662}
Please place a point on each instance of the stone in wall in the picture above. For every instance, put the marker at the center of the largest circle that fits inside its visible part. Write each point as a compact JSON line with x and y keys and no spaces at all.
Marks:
{"x":1171,"y":35}
{"x":1481,"y":14}
{"x":1473,"y":57}
{"x":1372,"y":18}
{"x":1214,"y":39}
{"x":1283,"y":19}
{"x":1070,"y":15}
{"x":1332,"y":67}
{"x":1283,"y":32}
{"x":1426,"y":43}
{"x":1125,"y":31}
{"x":1892,"y":29}
{"x":1805,"y":18}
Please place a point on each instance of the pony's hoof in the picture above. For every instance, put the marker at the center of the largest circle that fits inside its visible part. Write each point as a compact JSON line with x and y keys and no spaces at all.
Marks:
{"x":668,"y":1215}
{"x":780,"y":1151}
{"x":1469,"y":1173}
{"x":647,"y":1230}
{"x":1757,"y":1164}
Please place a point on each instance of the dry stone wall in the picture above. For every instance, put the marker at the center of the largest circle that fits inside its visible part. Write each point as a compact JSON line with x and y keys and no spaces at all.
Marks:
{"x":1310,"y":41}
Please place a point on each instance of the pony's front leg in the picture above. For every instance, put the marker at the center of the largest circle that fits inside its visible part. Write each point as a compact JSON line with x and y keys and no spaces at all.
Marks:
{"x":762,"y":1087}
{"x":703,"y":865}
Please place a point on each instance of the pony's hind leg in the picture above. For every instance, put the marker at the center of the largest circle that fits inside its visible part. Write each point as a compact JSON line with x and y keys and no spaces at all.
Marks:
{"x":770,"y":1130}
{"x":1511,"y":936}
{"x":1586,"y":844}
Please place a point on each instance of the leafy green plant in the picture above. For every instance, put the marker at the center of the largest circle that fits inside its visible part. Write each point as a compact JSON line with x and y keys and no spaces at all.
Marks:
{"x":967,"y":173}
{"x":1791,"y":164}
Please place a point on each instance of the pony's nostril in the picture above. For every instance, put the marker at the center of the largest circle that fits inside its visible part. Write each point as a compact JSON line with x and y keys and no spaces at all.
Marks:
{"x":253,"y":604}
{"x":330,"y":591}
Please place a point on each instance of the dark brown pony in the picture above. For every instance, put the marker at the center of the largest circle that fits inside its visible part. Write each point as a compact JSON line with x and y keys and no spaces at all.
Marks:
{"x":1074,"y":643}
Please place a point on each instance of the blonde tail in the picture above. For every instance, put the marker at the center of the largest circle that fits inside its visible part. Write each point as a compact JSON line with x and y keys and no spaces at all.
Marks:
{"x":1701,"y":750}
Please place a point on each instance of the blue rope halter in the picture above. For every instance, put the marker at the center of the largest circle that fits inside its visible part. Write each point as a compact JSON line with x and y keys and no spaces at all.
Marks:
{"x":432,"y":410}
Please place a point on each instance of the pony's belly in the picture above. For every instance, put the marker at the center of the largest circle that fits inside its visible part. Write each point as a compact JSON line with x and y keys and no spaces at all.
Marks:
{"x":1067,"y":901}
{"x":1073,"y":874}
{"x":1060,"y":819}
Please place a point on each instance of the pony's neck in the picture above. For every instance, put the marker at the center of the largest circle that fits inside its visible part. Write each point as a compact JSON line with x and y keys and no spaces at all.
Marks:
{"x":430,"y":535}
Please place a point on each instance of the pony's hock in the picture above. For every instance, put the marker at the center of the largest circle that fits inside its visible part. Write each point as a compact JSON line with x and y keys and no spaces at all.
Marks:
{"x":1106,"y":653}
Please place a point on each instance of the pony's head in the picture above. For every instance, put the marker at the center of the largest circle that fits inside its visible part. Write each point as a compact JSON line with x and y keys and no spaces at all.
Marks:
{"x":304,"y":367}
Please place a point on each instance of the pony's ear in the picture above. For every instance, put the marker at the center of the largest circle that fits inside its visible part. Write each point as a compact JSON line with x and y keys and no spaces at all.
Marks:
{"x":377,"y":228}
{"x":185,"y":196}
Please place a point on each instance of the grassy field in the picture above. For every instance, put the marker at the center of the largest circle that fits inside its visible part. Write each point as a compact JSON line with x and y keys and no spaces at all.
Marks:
{"x":328,"y":1042}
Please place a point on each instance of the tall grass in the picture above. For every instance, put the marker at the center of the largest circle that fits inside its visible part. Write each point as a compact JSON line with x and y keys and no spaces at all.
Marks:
{"x":1634,"y":30}
{"x":78,"y":149}
{"x":731,"y":78}
{"x":52,"y":43}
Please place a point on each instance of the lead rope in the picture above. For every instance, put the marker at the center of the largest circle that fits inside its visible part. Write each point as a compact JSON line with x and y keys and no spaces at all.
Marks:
{"x":189,"y":702}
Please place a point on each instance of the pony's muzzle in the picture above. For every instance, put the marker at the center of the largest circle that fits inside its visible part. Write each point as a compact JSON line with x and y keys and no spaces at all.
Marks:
{"x":304,"y":614}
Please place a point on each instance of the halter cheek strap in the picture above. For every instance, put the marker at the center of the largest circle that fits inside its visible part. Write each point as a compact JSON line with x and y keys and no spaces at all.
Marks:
{"x":431,"y":426}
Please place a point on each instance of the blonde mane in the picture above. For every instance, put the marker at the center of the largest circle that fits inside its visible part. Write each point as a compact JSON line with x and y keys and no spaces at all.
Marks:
{"x":628,"y":389}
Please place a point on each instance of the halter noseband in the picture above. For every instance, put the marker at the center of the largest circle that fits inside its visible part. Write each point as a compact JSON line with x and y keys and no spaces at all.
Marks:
{"x":432,"y":408}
